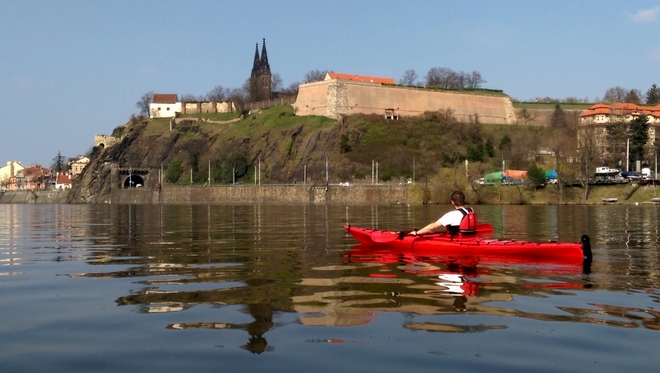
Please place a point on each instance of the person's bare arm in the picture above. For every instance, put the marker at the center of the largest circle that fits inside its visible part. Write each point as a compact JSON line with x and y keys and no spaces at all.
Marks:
{"x":429,"y":228}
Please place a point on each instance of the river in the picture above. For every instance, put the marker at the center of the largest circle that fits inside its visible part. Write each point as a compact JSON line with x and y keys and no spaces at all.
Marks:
{"x":279,"y":288}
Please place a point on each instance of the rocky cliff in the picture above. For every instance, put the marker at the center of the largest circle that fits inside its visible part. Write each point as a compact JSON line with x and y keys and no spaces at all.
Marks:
{"x":272,"y":145}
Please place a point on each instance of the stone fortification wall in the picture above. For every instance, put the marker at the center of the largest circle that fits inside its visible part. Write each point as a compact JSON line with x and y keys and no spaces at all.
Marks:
{"x":334,"y":97}
{"x":41,"y":197}
{"x":207,"y":107}
{"x":313,"y":99}
{"x":265,"y":194}
{"x":105,"y":140}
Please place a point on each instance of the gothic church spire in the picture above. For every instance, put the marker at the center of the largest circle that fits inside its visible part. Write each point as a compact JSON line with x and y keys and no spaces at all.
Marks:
{"x":264,"y":59}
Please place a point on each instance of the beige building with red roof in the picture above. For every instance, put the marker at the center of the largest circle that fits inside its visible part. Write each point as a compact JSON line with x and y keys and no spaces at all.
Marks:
{"x":595,"y":120}
{"x":620,"y":111}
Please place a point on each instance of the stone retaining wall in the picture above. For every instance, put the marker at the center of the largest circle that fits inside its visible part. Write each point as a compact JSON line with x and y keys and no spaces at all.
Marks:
{"x":28,"y":196}
{"x":320,"y":194}
{"x":265,"y":194}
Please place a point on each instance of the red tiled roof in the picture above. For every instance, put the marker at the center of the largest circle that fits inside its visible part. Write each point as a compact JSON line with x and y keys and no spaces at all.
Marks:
{"x":65,"y":179}
{"x":621,"y":109}
{"x":362,"y":78}
{"x":35,"y":171}
{"x":164,"y":98}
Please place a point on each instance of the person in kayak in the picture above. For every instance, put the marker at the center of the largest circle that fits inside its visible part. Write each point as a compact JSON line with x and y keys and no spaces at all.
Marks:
{"x":460,"y":220}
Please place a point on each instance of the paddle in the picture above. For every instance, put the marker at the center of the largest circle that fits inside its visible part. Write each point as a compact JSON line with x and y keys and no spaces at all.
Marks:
{"x":387,"y":236}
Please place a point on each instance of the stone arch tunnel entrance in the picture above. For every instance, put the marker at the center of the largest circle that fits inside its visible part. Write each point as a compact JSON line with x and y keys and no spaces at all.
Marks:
{"x":133,"y":178}
{"x":134,"y":181}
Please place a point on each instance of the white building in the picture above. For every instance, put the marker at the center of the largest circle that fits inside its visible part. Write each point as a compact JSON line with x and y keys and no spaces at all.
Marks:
{"x":164,"y":105}
{"x":9,"y":171}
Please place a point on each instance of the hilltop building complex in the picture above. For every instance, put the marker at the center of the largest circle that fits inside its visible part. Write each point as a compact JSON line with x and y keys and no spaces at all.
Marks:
{"x":594,"y":123}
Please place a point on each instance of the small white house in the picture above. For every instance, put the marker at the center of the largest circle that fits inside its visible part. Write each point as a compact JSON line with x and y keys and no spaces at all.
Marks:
{"x":164,"y":105}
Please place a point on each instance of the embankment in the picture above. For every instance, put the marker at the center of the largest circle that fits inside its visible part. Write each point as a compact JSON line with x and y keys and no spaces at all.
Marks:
{"x":28,"y":196}
{"x":355,"y":194}
{"x":265,"y":194}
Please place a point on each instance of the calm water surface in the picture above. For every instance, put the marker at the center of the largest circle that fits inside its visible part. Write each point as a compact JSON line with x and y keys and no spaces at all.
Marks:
{"x":272,"y":288}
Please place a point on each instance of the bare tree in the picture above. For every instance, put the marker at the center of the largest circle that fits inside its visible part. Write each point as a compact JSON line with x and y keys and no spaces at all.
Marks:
{"x":587,"y":158}
{"x":475,"y":80}
{"x":240,"y":96}
{"x":437,"y":77}
{"x":563,"y":144}
{"x":527,"y":117}
{"x":192,"y":98}
{"x":218,"y":94}
{"x":442,"y":77}
{"x":409,"y":78}
{"x":144,"y":102}
{"x":314,"y":76}
{"x":291,"y":90}
{"x":615,"y":94}
{"x":275,"y":82}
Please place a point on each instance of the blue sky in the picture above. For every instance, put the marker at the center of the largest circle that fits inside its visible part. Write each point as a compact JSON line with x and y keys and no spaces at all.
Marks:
{"x":73,"y":69}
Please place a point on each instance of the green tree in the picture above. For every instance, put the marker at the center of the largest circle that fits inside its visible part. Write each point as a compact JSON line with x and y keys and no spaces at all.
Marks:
{"x":59,"y":163}
{"x":558,"y":118}
{"x":639,"y":136}
{"x":174,"y":171}
{"x":633,"y":97}
{"x":475,"y":152}
{"x":505,"y":146}
{"x":489,"y":148}
{"x":344,"y":144}
{"x":653,"y":95}
{"x":535,"y":175}
{"x":617,"y":133}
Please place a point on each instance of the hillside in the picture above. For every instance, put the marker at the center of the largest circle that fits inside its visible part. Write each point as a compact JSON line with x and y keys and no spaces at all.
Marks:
{"x":285,"y":148}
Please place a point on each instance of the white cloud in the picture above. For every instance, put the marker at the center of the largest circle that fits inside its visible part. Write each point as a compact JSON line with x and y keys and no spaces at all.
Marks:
{"x":646,"y":15}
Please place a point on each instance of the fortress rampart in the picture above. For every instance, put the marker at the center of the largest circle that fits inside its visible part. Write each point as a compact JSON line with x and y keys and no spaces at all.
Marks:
{"x":332,"y":98}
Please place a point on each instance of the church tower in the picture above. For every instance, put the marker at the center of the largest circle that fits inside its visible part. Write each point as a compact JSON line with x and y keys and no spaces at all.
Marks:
{"x":260,"y":80}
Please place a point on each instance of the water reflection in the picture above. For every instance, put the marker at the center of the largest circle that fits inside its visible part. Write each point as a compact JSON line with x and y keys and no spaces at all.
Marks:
{"x":266,"y":260}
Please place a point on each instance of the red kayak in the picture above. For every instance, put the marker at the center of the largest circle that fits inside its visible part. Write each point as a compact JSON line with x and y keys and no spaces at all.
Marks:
{"x":494,"y":249}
